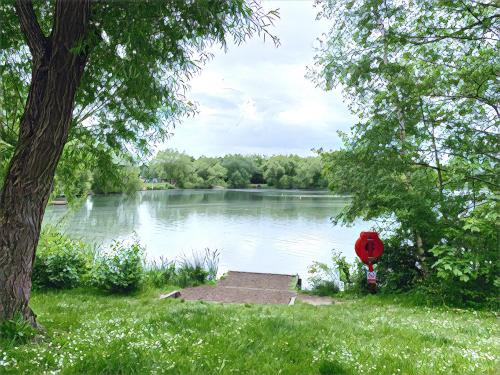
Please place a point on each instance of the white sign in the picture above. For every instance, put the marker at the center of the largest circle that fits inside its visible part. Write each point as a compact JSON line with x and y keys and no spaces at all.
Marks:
{"x":371,"y":277}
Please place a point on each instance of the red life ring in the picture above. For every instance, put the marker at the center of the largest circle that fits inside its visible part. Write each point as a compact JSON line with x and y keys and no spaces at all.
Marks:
{"x":369,"y":247}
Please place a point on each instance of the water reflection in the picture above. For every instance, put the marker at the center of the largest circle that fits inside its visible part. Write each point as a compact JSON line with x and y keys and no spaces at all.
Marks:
{"x":255,"y":230}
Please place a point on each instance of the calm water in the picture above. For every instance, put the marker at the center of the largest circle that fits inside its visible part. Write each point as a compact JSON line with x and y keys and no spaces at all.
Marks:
{"x":279,"y":231}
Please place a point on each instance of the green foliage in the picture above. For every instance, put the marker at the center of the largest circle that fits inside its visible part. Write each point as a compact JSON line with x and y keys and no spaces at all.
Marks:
{"x":239,"y":170}
{"x":172,"y":166}
{"x":160,"y":274}
{"x":197,"y":269}
{"x":467,"y":257}
{"x":140,"y":61}
{"x":120,"y":269}
{"x":359,"y":283}
{"x":158,"y":186}
{"x":94,"y":333}
{"x":235,"y":171}
{"x":16,"y":331}
{"x":467,"y":264}
{"x":399,"y":268}
{"x":422,"y":159}
{"x":276,"y":168}
{"x":125,"y":179}
{"x":188,"y":276}
{"x":309,"y":174}
{"x":65,"y":263}
{"x":291,"y":171}
{"x":326,"y":280}
{"x":343,"y":267}
{"x":210,"y":172}
{"x":60,"y":262}
{"x":329,"y":279}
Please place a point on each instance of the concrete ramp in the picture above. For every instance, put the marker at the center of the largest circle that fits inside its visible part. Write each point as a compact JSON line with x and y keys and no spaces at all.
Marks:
{"x":246,"y":287}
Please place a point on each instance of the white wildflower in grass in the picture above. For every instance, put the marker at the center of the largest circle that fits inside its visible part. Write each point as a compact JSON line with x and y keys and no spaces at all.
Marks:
{"x":141,"y":334}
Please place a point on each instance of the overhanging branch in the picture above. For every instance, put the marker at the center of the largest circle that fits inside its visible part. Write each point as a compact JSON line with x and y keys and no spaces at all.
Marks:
{"x":30,"y":27}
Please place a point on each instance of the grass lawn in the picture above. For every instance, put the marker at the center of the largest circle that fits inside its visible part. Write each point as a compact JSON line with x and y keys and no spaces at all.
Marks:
{"x":92,"y":333}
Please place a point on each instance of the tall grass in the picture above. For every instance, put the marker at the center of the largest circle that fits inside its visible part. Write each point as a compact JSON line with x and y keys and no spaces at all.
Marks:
{"x":195,"y":269}
{"x":160,"y":273}
{"x":198,"y":268}
{"x":212,"y":263}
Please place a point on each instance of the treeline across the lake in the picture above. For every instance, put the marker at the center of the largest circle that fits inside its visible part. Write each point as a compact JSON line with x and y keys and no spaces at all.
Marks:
{"x":177,"y":169}
{"x":171,"y":169}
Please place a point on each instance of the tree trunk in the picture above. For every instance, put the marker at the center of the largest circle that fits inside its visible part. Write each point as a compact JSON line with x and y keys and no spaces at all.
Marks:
{"x":43,"y":131}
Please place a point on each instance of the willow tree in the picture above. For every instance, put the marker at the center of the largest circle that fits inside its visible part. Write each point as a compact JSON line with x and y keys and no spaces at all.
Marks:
{"x":422,"y":76}
{"x":114,"y":72}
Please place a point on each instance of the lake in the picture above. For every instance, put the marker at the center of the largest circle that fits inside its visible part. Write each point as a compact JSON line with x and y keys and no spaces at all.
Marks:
{"x":278,"y":231}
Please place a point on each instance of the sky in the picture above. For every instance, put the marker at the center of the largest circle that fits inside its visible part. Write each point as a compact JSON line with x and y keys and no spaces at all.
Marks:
{"x":255,"y":98}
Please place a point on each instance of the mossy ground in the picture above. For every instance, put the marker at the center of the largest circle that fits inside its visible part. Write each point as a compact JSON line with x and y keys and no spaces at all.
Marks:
{"x":88,"y":332}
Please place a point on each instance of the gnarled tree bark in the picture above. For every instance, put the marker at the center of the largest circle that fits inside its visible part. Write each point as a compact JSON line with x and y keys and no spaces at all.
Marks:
{"x":58,"y":62}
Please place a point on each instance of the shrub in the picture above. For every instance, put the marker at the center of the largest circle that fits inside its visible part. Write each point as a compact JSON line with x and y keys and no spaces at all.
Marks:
{"x":466,"y":265}
{"x":194,"y":270}
{"x":60,"y":261}
{"x":160,"y":273}
{"x":397,"y":268}
{"x":212,"y":263}
{"x":359,"y":283}
{"x":327,"y":280}
{"x":159,"y":186}
{"x":121,"y":268}
{"x":325,"y":288}
{"x":197,"y":269}
{"x":191,"y":276}
{"x":16,"y":330}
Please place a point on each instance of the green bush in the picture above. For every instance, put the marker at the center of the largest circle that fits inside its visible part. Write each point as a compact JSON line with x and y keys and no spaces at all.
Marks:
{"x":326,"y":280}
{"x":467,"y":264}
{"x":120,"y":269}
{"x":358,"y":282}
{"x":188,"y":275}
{"x":325,"y":288}
{"x":60,"y":261}
{"x":16,"y":330}
{"x":197,"y":269}
{"x":398,"y":268}
{"x":159,"y":186}
{"x":323,"y":279}
{"x":161,"y":273}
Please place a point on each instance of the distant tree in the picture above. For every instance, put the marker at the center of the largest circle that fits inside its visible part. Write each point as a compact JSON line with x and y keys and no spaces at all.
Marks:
{"x":210,"y":172}
{"x":239,"y":170}
{"x":174,"y":167}
{"x":236,"y":171}
{"x":273,"y":171}
{"x":125,"y":179}
{"x":309,"y":174}
{"x":117,"y":71}
{"x":279,"y":170}
{"x":216,"y":175}
{"x":258,"y":173}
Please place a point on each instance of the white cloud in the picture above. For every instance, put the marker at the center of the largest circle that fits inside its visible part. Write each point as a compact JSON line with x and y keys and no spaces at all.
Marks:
{"x":249,"y":110}
{"x":255,"y":98}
